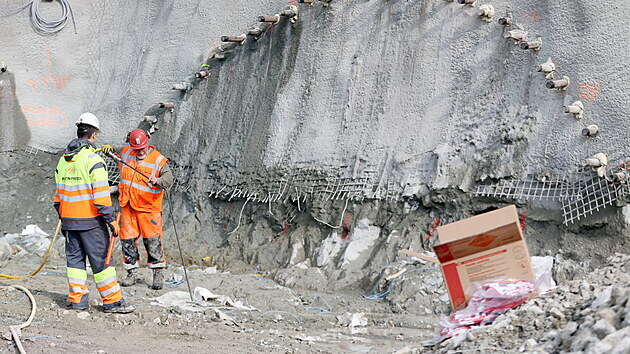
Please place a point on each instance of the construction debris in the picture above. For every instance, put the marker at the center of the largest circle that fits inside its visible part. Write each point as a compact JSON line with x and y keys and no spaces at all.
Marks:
{"x":584,"y":315}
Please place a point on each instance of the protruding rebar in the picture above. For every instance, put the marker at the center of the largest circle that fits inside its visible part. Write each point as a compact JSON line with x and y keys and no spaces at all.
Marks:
{"x":593,"y":162}
{"x":576,"y":108}
{"x":180,"y":86}
{"x":288,"y":13}
{"x":547,"y":67}
{"x":150,"y":119}
{"x":237,"y":39}
{"x":598,"y":163}
{"x":535,"y":45}
{"x":273,"y":19}
{"x":202,"y":74}
{"x":507,"y":20}
{"x":561,"y":84}
{"x":591,"y":130}
{"x":255,"y":32}
{"x":166,"y":105}
{"x":486,"y":12}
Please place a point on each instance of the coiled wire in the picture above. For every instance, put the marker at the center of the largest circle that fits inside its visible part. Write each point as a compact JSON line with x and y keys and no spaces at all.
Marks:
{"x":42,"y":25}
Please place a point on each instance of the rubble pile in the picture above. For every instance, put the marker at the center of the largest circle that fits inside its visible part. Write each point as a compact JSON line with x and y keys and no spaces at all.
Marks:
{"x":411,"y":287}
{"x":590,"y":315}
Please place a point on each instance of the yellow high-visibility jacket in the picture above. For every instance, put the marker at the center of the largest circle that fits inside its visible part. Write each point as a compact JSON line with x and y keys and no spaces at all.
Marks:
{"x":82,"y":198}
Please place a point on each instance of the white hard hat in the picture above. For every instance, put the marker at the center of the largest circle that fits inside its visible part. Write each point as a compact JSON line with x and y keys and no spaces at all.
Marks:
{"x":89,"y":119}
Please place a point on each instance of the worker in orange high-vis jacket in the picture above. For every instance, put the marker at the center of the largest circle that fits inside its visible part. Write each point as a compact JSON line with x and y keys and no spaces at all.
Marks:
{"x":84,"y":205}
{"x":141,"y":202}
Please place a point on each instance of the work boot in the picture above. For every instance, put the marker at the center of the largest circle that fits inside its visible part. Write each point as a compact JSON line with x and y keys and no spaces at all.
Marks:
{"x":118,"y":307}
{"x":158,"y":279}
{"x":82,"y":305}
{"x":131,"y":278}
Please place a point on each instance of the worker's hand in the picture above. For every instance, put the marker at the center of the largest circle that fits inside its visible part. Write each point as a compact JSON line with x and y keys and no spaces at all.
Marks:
{"x":114,"y":228}
{"x":154,"y":181}
{"x":107,"y":149}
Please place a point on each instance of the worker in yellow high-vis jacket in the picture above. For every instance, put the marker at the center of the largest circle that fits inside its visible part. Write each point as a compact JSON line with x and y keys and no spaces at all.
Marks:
{"x":85,"y":208}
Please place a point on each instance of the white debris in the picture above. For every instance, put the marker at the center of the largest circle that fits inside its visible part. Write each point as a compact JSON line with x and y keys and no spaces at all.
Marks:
{"x":210,"y":270}
{"x":34,"y":230}
{"x":352,"y":319}
{"x":543,"y":270}
{"x":203,"y":299}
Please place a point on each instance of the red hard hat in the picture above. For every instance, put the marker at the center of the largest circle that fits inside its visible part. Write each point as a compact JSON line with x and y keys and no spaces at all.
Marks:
{"x":138,"y":139}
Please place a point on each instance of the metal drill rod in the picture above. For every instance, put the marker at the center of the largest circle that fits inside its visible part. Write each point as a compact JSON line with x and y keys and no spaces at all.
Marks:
{"x":273,"y":19}
{"x":118,"y":159}
{"x":232,"y":39}
{"x":181,"y":254}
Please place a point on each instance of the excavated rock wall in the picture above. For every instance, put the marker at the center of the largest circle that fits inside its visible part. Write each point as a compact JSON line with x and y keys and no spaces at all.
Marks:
{"x":330,"y":144}
{"x":327,"y":145}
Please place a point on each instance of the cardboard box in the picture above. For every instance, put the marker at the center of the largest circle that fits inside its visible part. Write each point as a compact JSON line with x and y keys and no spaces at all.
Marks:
{"x":482,"y":247}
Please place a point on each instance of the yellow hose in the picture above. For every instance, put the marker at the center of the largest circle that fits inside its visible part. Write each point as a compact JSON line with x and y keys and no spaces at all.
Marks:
{"x":52,"y":242}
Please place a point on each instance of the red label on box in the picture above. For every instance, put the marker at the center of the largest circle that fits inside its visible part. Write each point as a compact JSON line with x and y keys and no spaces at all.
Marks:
{"x":454,"y":284}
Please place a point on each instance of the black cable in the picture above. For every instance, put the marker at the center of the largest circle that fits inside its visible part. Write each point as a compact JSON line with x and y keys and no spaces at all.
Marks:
{"x":41,"y":24}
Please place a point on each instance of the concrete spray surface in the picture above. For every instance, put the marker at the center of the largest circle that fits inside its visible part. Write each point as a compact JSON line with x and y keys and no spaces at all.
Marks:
{"x":319,"y":150}
{"x":380,"y":102}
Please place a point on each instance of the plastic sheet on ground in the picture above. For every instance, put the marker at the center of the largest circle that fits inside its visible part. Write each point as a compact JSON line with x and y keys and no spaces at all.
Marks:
{"x":494,"y":297}
{"x":203,"y":299}
{"x":352,"y":320}
{"x":490,"y":300}
{"x":32,"y":239}
{"x":34,"y":230}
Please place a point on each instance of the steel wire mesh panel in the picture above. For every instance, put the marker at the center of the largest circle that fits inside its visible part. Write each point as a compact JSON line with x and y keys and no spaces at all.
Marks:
{"x":556,"y":188}
{"x":596,"y":193}
{"x":112,"y":169}
{"x":580,"y":193}
{"x":302,"y":184}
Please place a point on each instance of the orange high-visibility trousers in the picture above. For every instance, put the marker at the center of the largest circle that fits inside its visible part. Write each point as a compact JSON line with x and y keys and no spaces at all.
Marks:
{"x":133,"y":225}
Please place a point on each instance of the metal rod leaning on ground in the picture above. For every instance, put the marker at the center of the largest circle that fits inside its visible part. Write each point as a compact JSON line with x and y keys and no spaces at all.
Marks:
{"x":181,"y":255}
{"x":52,"y":242}
{"x":170,"y":203}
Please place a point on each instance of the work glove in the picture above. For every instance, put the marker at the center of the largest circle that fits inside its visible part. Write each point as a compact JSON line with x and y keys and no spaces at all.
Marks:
{"x":107,"y":149}
{"x":114,"y":228}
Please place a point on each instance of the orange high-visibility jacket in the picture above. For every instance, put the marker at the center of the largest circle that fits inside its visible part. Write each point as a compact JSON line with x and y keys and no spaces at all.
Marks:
{"x":134,"y":188}
{"x":82,"y":195}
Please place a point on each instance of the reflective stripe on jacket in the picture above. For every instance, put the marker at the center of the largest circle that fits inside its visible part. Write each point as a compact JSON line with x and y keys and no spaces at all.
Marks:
{"x":83,"y":190}
{"x":134,"y":188}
